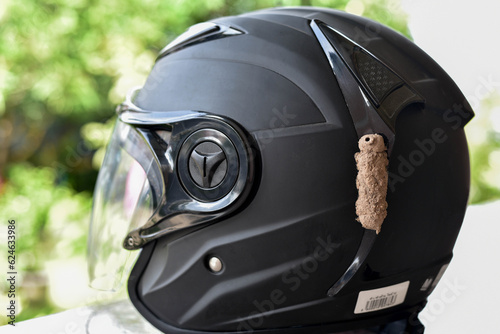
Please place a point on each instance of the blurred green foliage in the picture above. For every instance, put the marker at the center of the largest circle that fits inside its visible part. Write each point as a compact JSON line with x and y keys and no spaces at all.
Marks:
{"x":483,"y":135}
{"x":51,"y":222}
{"x":63,"y":66}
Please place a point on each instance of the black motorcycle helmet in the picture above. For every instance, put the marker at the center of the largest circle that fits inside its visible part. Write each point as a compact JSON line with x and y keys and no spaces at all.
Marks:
{"x":233,"y":171}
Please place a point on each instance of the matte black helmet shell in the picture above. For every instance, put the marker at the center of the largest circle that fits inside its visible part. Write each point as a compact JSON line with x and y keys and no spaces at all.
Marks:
{"x":296,"y":233}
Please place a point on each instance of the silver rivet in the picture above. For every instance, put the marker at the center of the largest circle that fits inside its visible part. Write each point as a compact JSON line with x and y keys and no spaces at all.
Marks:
{"x":215,"y":264}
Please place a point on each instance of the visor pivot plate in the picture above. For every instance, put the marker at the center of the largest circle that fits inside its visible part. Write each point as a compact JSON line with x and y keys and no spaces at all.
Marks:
{"x":215,"y":264}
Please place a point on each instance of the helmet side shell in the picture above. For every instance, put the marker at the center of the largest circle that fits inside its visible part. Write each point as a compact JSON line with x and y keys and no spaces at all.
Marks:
{"x":298,"y":234}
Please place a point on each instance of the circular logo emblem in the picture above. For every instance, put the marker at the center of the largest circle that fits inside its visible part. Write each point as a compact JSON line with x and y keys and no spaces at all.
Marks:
{"x":208,"y":165}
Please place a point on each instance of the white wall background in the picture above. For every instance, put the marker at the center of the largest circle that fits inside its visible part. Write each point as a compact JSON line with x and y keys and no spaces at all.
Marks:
{"x":464,"y":38}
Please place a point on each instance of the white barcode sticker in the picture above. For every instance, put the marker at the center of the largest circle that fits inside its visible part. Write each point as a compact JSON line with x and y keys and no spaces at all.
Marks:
{"x":379,"y":299}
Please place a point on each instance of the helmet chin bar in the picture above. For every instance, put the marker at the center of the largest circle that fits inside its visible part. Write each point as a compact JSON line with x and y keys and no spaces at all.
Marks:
{"x":367,"y":118}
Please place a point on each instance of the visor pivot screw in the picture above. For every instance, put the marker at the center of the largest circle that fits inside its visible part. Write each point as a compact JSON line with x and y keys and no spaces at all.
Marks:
{"x":130,"y":241}
{"x":215,"y":264}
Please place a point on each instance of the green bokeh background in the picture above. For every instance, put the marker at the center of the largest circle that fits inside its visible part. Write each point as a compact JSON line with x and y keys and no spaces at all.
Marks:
{"x":64,"y":65}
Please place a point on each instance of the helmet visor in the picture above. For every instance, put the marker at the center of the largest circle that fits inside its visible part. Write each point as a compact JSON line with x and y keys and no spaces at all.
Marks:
{"x":126,"y":194}
{"x":141,"y":169}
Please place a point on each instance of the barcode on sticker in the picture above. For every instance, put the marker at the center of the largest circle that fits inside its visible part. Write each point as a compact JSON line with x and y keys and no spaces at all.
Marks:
{"x":376,"y":304}
{"x":379,"y":299}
